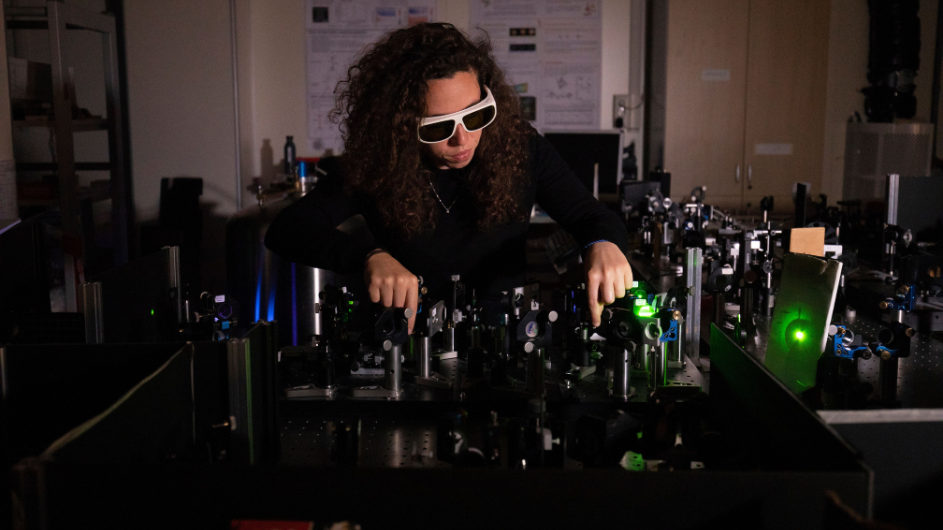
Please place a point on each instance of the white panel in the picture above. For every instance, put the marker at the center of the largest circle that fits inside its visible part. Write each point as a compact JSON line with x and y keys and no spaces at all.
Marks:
{"x":715,"y":74}
{"x":773,"y":149}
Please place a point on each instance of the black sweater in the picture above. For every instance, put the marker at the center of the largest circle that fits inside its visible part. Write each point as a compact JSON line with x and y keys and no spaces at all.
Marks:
{"x":489,"y":262}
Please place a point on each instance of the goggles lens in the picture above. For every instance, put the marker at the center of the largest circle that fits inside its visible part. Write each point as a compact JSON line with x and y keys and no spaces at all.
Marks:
{"x":437,"y":131}
{"x":478,"y":119}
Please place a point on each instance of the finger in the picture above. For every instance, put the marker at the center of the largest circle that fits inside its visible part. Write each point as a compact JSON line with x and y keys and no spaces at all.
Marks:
{"x":607,"y":292}
{"x":592,"y":291}
{"x":373,"y":289}
{"x":596,"y":311}
{"x":629,"y":279}
{"x":412,"y":302}
{"x":399,"y":291}
{"x":620,"y":286}
{"x":386,"y":293}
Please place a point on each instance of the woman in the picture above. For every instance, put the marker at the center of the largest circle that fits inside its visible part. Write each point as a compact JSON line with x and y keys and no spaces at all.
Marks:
{"x":445,"y":171}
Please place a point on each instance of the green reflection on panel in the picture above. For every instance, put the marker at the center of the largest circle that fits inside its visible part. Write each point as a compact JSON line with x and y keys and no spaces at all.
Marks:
{"x":799,"y":327}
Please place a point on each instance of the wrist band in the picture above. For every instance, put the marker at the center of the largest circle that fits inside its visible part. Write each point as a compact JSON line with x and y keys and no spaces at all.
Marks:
{"x":372,"y":253}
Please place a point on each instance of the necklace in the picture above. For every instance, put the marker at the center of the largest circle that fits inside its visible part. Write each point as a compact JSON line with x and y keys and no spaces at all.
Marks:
{"x":447,"y":208}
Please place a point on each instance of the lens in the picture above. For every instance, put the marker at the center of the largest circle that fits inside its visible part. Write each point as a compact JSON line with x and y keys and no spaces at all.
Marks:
{"x":478,"y":119}
{"x":436,"y":132}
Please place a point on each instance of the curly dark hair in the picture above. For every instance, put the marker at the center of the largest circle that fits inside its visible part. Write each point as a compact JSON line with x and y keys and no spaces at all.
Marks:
{"x":379,"y":105}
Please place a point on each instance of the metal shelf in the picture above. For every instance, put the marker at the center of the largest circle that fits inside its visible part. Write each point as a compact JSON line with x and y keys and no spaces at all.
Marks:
{"x":56,"y":18}
{"x":75,"y":18}
{"x":14,"y":12}
{"x":86,"y":193}
{"x":52,"y":166}
{"x":80,"y":125}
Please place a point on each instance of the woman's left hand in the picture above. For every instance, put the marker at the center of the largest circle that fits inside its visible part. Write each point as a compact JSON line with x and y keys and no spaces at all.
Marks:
{"x":608,"y":275}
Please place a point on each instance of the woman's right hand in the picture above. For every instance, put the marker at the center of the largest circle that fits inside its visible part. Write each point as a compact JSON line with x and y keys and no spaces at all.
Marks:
{"x":391,"y":284}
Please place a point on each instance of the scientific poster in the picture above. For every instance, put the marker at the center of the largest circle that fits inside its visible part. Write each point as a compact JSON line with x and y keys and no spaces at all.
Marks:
{"x":337,"y":31}
{"x":551,"y":51}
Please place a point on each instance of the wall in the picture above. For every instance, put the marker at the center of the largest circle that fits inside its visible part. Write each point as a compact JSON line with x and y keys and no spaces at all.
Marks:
{"x":182,"y":111}
{"x":847,"y":75}
{"x":181,"y":101}
{"x":185,"y":111}
{"x":276,"y":87}
{"x":615,"y":55}
{"x":182,"y":114}
{"x":275,"y":91}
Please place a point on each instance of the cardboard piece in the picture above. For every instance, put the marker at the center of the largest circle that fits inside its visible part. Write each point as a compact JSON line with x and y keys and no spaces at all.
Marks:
{"x":809,"y":241}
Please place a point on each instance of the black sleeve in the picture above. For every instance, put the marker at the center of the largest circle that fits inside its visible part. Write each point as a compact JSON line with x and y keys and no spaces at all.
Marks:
{"x":568,"y":202}
{"x":306,"y":232}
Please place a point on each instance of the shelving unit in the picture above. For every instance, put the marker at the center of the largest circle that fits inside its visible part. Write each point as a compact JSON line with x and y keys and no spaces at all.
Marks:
{"x":81,"y":246}
{"x":82,"y":125}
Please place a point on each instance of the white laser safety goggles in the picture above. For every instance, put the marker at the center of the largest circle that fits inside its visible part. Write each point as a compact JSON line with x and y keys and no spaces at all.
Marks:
{"x":436,"y":129}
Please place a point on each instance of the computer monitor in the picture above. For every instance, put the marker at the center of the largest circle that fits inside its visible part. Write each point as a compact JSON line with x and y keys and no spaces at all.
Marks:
{"x":595,"y":157}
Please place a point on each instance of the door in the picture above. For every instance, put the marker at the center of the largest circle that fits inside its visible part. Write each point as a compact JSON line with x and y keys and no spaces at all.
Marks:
{"x":785,"y":99}
{"x":705,"y":94}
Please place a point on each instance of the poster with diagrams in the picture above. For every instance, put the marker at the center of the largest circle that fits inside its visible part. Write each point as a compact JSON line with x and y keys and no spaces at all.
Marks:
{"x":551,"y":51}
{"x":337,"y":32}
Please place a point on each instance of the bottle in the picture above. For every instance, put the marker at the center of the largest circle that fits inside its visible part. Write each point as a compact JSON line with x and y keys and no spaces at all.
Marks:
{"x":289,"y":155}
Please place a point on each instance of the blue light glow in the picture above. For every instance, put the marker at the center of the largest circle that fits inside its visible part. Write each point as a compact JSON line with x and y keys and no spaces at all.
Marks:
{"x":271,"y":301}
{"x":258,"y":296}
